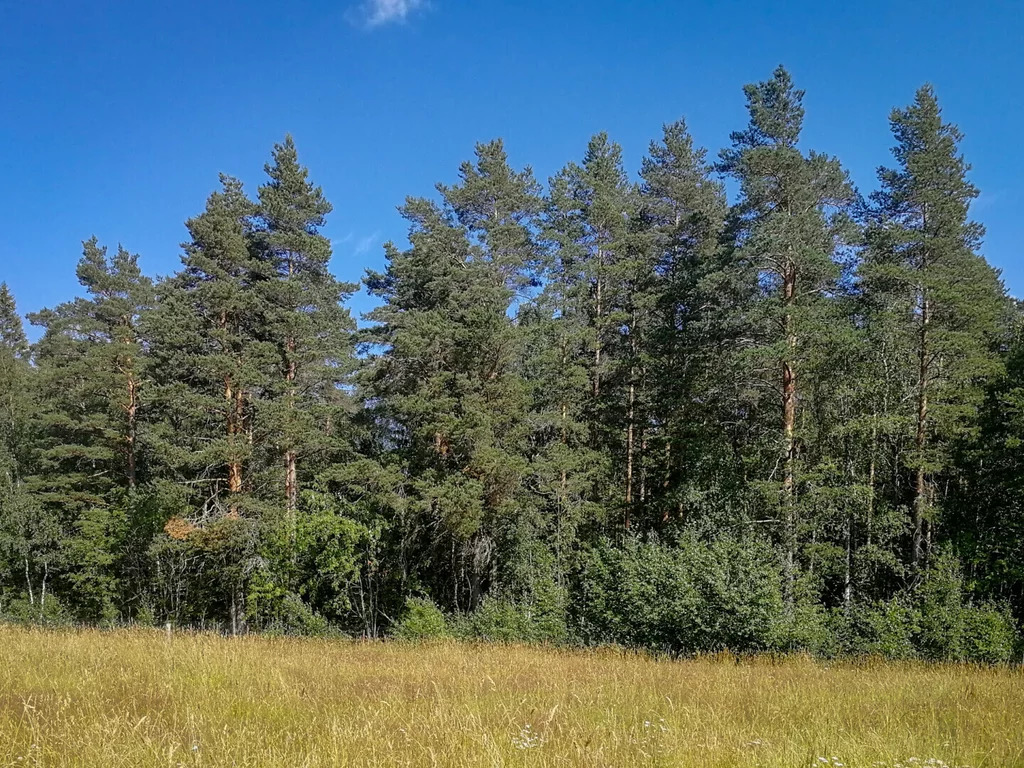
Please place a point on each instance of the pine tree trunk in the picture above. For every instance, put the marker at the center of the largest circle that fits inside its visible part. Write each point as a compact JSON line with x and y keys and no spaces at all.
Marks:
{"x":630,"y":426}
{"x":789,"y":428}
{"x":563,"y":476}
{"x":234,"y":465}
{"x":921,"y":438}
{"x":642,"y":495}
{"x":629,"y":454}
{"x":597,"y":329}
{"x":871,"y":476}
{"x":666,"y":482}
{"x":131,"y":426}
{"x":291,"y":484}
{"x":233,"y":426}
{"x":848,"y":568}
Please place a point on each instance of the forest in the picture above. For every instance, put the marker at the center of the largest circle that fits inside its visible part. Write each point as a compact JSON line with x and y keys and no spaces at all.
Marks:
{"x":722,"y":402}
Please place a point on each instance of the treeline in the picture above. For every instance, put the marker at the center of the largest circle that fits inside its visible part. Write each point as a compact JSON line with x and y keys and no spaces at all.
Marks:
{"x":604,"y":410}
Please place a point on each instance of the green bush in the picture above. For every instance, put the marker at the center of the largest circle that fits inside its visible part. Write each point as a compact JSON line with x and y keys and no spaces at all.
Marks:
{"x":22,"y":611}
{"x":740,"y":586}
{"x":686,"y":597}
{"x":510,"y":621}
{"x":940,"y":599}
{"x":989,"y":634}
{"x":932,"y":620}
{"x":885,"y":628}
{"x":292,"y":616}
{"x":954,"y":628}
{"x":500,"y":620}
{"x":635,"y":595}
{"x":422,"y":620}
{"x":808,"y":627}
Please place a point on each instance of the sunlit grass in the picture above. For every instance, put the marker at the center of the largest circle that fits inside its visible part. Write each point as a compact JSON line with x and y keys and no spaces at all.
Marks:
{"x":135,"y":698}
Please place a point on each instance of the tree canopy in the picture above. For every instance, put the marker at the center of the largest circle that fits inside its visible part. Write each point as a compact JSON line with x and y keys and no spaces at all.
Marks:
{"x":607,"y":408}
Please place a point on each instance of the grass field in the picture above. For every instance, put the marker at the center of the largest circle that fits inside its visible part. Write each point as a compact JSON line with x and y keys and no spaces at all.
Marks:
{"x":137,"y":698}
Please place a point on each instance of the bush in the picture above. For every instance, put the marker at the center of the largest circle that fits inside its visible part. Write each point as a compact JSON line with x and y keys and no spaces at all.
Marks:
{"x":885,"y":628}
{"x":952,"y":627}
{"x":740,"y":586}
{"x":689,"y":597}
{"x":635,"y":595}
{"x":292,"y":616}
{"x":422,"y":620}
{"x":808,"y":626}
{"x":509,"y":621}
{"x":940,"y":599}
{"x":22,"y":611}
{"x":500,"y":620}
{"x":989,"y":634}
{"x":932,"y":620}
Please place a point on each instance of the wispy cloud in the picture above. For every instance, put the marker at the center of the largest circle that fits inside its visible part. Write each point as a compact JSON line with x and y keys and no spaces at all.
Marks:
{"x":377,"y":13}
{"x":355,"y":245}
{"x":365,"y":244}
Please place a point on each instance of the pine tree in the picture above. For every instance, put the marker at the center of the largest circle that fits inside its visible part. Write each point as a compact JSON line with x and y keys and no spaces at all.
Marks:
{"x":208,"y":357}
{"x":12,"y":331}
{"x":444,"y":386}
{"x":213,"y":368}
{"x":91,"y":385}
{"x":789,"y":225}
{"x":683,"y":215}
{"x":89,"y":359}
{"x":14,"y":391}
{"x":941,"y":300}
{"x":306,"y":320}
{"x":18,"y":518}
{"x":591,"y":223}
{"x":985,"y":515}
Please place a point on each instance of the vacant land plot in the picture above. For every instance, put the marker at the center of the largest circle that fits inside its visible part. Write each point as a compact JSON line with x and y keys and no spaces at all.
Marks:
{"x":137,"y":698}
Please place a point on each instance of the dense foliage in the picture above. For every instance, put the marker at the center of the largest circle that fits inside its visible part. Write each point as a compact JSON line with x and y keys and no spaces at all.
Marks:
{"x":600,"y":410}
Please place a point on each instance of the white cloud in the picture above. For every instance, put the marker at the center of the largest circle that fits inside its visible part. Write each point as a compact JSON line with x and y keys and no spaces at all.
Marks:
{"x":365,"y":244}
{"x":376,"y":13}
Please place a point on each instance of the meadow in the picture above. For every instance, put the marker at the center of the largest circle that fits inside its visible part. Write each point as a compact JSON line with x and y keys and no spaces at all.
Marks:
{"x":139,"y":698}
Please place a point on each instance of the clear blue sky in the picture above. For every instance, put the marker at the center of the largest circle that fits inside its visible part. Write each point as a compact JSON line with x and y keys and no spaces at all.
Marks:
{"x":118,"y":116}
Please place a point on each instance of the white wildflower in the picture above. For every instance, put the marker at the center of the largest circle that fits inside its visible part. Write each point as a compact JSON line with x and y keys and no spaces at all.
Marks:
{"x":527,"y":739}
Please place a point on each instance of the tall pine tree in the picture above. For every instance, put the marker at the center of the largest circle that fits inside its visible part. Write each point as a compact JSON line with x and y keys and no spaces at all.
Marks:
{"x":306,"y":319}
{"x":941,"y":300}
{"x":790,"y":225}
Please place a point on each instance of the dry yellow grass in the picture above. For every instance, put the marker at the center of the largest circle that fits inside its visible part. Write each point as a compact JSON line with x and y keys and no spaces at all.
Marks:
{"x":135,"y":698}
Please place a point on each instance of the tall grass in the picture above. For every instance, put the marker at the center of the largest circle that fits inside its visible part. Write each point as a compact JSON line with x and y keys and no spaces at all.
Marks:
{"x":137,"y":698}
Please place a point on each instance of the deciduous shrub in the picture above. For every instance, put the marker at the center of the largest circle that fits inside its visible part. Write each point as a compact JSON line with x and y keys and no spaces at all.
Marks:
{"x":422,"y":620}
{"x":685,"y":597}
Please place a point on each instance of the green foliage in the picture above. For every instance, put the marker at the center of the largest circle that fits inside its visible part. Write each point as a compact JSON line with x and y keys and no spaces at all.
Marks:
{"x":289,"y":615}
{"x":886,"y":628}
{"x":940,"y":599}
{"x":46,"y":610}
{"x":422,"y":620}
{"x":933,"y":298}
{"x":990,"y":634}
{"x":501,"y":619}
{"x":934,"y":620}
{"x":93,"y":547}
{"x":953,"y":627}
{"x":688,"y":597}
{"x":603,"y":410}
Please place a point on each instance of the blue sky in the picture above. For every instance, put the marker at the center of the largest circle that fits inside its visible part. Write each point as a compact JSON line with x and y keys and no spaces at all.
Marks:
{"x":118,"y":116}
